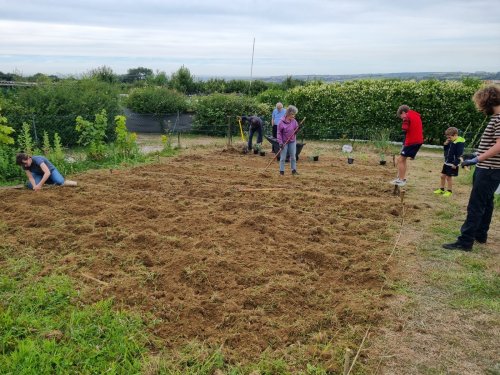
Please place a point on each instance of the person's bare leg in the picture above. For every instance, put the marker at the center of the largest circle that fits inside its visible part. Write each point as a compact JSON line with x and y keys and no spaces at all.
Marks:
{"x":443,"y":181}
{"x":70,"y":183}
{"x":402,"y":167}
{"x":450,"y":183}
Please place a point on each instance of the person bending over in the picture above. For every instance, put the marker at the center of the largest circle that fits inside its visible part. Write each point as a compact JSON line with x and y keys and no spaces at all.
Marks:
{"x":40,"y":171}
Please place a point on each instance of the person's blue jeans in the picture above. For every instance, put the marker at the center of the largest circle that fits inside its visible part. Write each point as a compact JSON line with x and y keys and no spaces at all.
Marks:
{"x":480,"y":207}
{"x":291,"y":147}
{"x":55,"y":178}
{"x":250,"y":136}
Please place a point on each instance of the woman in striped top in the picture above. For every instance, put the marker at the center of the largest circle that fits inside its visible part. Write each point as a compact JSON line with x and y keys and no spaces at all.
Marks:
{"x":486,"y":175}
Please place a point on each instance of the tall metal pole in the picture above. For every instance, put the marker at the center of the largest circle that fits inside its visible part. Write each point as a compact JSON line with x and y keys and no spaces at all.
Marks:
{"x":251,"y":68}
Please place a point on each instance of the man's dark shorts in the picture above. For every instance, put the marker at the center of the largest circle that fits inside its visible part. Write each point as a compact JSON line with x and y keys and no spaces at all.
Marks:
{"x":449,"y":171}
{"x":410,"y":151}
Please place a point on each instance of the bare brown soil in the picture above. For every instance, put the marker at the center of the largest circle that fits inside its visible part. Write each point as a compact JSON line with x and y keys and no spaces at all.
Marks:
{"x":249,"y":270}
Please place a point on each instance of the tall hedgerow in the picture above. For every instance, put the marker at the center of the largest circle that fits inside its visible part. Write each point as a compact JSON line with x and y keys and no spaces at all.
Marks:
{"x":213,"y":112}
{"x":156,"y":100}
{"x":360,"y":108}
{"x":53,"y":107}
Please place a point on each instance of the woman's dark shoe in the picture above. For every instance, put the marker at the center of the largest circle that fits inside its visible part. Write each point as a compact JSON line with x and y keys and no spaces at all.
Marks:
{"x":294,"y":172}
{"x":457,"y":246}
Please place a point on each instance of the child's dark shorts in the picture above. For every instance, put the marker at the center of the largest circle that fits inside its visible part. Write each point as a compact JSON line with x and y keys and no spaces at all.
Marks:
{"x":410,"y":151}
{"x":449,"y":171}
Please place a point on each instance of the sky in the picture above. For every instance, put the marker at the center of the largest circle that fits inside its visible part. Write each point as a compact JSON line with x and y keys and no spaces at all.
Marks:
{"x":215,"y":38}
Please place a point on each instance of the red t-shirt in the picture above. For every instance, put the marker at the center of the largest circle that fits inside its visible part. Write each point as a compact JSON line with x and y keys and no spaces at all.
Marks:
{"x":412,"y":125}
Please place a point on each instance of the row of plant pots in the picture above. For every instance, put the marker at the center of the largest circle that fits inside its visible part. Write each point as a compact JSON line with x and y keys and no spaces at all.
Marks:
{"x":315,"y":158}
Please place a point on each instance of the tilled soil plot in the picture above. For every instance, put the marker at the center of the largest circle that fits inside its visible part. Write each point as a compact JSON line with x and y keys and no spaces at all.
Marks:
{"x":183,"y":242}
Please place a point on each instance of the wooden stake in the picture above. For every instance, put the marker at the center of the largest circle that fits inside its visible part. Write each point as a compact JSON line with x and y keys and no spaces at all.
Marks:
{"x":359,"y":351}
{"x":94,"y":279}
{"x":347,"y":360}
{"x":259,"y":189}
{"x":11,"y":187}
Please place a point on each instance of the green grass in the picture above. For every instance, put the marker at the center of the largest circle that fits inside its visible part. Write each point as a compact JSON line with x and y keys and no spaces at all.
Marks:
{"x":44,"y":330}
{"x":468,"y":279}
{"x":478,"y":289}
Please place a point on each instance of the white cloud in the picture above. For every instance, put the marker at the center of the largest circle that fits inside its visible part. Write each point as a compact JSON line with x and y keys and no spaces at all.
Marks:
{"x":215,"y":37}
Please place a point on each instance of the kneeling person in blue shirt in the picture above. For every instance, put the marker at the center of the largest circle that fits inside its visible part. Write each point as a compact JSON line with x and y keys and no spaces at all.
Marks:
{"x":40,"y":171}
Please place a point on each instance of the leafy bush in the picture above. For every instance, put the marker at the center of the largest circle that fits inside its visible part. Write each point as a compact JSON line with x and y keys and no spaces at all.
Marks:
{"x":9,"y":171}
{"x":46,"y":148}
{"x":5,"y":131}
{"x":54,"y":107}
{"x":157,"y":100}
{"x":125,"y":140}
{"x":57,"y":151}
{"x":214,"y":111}
{"x":25,"y":140}
{"x":92,"y":135}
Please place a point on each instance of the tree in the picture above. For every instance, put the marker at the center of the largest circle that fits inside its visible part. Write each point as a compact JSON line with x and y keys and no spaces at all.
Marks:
{"x":290,"y":83}
{"x":183,"y":81}
{"x":159,"y":79}
{"x":137,"y":74}
{"x":104,"y":74}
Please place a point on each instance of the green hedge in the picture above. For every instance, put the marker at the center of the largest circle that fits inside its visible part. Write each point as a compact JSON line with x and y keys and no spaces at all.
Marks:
{"x":214,"y":111}
{"x":358,"y":109}
{"x":272,"y":96}
{"x":156,"y":100}
{"x":54,"y":107}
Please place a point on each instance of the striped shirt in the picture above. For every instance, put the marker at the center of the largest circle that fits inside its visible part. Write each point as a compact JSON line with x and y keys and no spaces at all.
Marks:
{"x":488,"y":139}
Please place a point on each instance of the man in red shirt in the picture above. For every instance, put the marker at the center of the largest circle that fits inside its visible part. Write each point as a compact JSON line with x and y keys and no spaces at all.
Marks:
{"x":414,"y":137}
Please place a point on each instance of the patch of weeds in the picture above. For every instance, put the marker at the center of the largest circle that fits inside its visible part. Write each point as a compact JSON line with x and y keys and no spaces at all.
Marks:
{"x":446,"y":230}
{"x":470,"y":288}
{"x":193,"y":359}
{"x":44,"y":331}
{"x":477,"y":290}
{"x":401,"y":287}
{"x":445,"y":214}
{"x":472,"y":264}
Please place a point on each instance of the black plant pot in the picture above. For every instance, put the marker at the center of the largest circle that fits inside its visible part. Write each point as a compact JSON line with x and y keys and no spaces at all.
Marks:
{"x":350,"y":160}
{"x":382,"y":162}
{"x":315,"y":158}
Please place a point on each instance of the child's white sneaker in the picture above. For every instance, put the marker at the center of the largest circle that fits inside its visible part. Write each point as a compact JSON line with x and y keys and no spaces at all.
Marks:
{"x":399,"y":182}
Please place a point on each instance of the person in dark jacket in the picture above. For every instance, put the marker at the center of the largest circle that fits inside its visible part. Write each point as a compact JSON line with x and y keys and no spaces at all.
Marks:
{"x":414,"y":138}
{"x":453,"y":150}
{"x":254,"y":125}
{"x":40,"y":171}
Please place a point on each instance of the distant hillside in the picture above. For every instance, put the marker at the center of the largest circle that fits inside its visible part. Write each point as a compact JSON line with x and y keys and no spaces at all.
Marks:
{"x":405,"y":75}
{"x":349,"y":77}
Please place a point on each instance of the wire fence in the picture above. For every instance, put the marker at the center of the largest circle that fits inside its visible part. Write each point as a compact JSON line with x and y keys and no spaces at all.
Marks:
{"x":185,"y":123}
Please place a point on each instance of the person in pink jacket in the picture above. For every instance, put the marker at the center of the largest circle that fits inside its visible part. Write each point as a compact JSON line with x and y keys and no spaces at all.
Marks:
{"x":287,"y":129}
